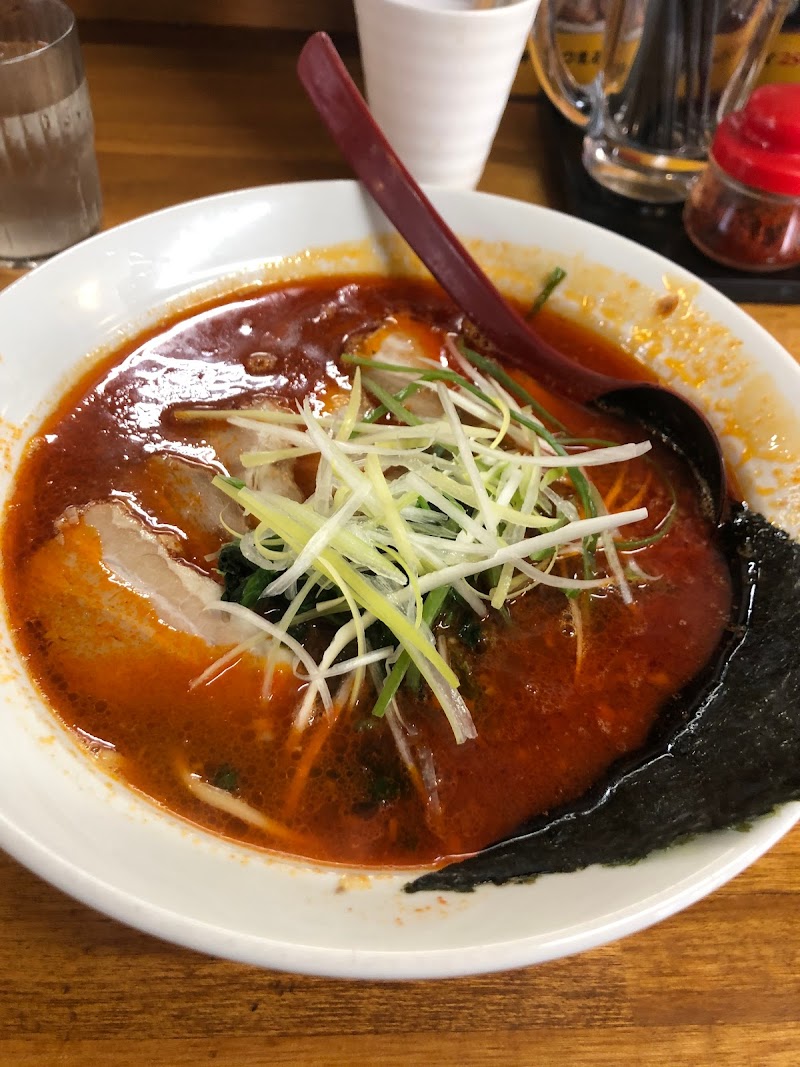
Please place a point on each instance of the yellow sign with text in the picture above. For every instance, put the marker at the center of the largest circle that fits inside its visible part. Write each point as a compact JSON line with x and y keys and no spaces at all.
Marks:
{"x":783,"y":61}
{"x":582,"y":52}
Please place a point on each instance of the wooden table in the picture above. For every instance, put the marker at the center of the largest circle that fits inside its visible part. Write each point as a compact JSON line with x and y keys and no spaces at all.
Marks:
{"x":182,"y":113}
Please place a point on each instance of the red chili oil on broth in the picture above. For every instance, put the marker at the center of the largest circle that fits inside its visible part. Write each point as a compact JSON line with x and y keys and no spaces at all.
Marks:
{"x":549,"y":723}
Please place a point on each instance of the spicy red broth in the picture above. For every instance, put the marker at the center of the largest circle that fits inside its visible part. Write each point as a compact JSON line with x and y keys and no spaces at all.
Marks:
{"x":550,"y":718}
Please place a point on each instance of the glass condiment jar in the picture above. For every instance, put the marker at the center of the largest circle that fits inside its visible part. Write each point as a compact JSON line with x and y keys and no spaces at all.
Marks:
{"x":744,"y":211}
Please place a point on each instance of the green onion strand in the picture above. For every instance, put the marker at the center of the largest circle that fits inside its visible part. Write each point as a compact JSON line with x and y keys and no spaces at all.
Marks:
{"x":553,"y":280}
{"x":433,"y":604}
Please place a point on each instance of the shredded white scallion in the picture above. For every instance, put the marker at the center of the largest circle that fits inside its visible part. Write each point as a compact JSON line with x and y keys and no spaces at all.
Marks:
{"x":472,"y":494}
{"x":224,"y":801}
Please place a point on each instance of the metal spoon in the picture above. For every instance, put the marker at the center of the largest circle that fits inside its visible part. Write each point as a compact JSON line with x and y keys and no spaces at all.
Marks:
{"x":665,"y":414}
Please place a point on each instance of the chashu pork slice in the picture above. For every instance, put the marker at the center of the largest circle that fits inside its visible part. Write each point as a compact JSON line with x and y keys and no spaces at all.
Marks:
{"x":122,"y":622}
{"x":107,"y":584}
{"x":180,"y":596}
{"x":230,"y":441}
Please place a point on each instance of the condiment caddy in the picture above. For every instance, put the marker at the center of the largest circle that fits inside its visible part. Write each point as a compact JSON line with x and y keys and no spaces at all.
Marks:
{"x":744,"y":212}
{"x":656,"y":226}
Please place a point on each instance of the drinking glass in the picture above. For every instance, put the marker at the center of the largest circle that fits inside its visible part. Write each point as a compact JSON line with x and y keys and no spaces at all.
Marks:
{"x":668,"y":71}
{"x":49,"y":186}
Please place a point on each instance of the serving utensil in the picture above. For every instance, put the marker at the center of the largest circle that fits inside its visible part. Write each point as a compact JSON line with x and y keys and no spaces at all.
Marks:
{"x":666,"y":415}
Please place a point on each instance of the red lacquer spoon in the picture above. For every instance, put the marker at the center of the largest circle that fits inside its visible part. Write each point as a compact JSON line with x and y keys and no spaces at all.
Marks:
{"x":665,"y":414}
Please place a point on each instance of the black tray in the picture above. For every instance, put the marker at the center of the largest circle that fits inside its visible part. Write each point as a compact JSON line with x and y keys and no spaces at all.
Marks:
{"x":656,"y":226}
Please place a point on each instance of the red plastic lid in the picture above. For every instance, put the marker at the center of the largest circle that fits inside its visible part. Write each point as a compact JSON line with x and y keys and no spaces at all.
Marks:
{"x":760,"y":145}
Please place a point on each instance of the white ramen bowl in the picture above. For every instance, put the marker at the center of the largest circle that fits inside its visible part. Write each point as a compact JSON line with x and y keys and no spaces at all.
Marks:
{"x":111,"y":848}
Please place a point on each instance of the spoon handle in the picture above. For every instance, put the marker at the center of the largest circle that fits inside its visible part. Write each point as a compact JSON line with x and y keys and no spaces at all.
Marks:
{"x":347,"y":118}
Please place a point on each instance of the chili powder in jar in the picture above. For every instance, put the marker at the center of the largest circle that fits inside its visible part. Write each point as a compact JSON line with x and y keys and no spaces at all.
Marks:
{"x":744,"y":211}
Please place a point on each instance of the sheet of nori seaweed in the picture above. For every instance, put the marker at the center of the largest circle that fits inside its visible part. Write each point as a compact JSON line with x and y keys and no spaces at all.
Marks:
{"x":725,"y":751}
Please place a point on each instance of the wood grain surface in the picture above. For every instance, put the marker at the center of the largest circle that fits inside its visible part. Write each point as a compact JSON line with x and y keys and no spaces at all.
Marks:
{"x":286,"y":14}
{"x":182,"y":113}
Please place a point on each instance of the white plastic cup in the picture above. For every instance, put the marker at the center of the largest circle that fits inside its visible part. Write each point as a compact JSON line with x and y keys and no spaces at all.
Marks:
{"x":438,"y":74}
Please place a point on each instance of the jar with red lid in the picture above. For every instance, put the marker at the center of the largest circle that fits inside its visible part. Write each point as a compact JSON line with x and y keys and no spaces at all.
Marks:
{"x":744,"y":211}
